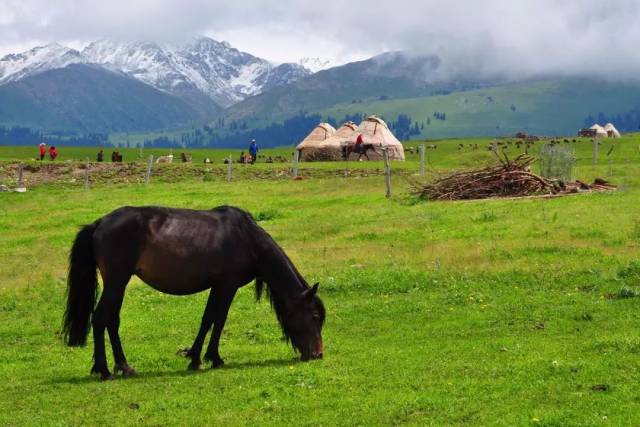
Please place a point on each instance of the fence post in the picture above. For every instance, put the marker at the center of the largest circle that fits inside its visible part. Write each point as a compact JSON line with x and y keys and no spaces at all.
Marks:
{"x":346,"y":166}
{"x":229,"y":169}
{"x":147,"y":177}
{"x":19,"y":182}
{"x":86,"y":174}
{"x":422,"y":159}
{"x":387,"y":171}
{"x":296,"y":158}
{"x":595,"y":151}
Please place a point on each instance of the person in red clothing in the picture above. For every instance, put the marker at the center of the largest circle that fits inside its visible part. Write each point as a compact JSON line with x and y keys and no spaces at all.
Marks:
{"x":43,"y":150}
{"x":53,"y":153}
{"x":359,"y":141}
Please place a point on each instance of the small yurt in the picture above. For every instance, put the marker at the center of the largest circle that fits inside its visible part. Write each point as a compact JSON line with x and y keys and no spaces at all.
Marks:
{"x":611,"y":130}
{"x":309,"y":145}
{"x":600,"y":131}
{"x":376,"y":132}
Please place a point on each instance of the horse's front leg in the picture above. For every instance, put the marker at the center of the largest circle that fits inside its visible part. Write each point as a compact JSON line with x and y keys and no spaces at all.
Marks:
{"x":220,"y":312}
{"x":207,"y":319}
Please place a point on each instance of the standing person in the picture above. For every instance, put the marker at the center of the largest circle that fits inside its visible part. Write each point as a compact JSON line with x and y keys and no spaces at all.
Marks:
{"x":43,"y":150}
{"x":253,"y":150}
{"x":53,"y":152}
{"x":100,"y":156}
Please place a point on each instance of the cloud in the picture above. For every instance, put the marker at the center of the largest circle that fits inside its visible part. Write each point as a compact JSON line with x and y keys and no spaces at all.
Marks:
{"x":520,"y":38}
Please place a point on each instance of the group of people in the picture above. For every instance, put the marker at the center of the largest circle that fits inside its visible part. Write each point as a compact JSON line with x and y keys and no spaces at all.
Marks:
{"x":117,"y":157}
{"x":53,"y":151}
{"x":252,"y":156}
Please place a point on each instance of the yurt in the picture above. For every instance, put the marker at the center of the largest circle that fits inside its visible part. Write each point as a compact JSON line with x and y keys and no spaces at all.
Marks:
{"x":600,"y":131}
{"x":309,"y":145}
{"x":611,"y":130}
{"x":376,"y":132}
{"x":332,"y":148}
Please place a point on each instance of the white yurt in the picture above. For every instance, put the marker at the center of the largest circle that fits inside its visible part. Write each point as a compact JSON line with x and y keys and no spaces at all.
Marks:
{"x":600,"y":131}
{"x":611,"y":130}
{"x":309,"y":145}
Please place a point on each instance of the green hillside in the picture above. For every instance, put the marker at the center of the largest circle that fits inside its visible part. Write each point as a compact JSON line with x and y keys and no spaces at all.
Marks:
{"x":543,"y":107}
{"x":90,"y":99}
{"x":550,"y":107}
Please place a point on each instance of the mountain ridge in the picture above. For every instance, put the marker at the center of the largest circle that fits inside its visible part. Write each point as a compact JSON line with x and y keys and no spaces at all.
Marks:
{"x":215,"y":69}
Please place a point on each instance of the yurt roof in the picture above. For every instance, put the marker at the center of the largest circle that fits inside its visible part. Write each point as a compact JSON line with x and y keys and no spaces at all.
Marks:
{"x":320,"y":133}
{"x":376,"y":119}
{"x":343,"y":134}
{"x":596,"y":127}
{"x":376,"y":131}
{"x":609,"y":127}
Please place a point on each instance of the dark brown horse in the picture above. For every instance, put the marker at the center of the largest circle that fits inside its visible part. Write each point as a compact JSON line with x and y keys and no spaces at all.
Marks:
{"x":359,"y":149}
{"x":181,"y":252}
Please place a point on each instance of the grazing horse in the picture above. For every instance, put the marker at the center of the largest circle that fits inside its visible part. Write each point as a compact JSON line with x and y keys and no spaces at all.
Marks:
{"x":359,"y":149}
{"x":223,"y":248}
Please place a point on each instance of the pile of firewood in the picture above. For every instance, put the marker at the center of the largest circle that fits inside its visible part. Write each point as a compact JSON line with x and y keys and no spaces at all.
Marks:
{"x":507,"y":178}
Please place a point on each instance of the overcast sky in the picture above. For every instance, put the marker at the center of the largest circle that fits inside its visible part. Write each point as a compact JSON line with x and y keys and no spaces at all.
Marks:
{"x":594,"y":37}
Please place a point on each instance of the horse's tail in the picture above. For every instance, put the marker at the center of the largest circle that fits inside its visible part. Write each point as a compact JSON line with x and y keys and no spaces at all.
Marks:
{"x":82,"y":288}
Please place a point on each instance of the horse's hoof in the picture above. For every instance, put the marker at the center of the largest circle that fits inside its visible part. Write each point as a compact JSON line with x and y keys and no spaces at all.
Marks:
{"x":195,"y":366}
{"x":127,"y":371}
{"x":107,"y":377}
{"x":216,"y":361}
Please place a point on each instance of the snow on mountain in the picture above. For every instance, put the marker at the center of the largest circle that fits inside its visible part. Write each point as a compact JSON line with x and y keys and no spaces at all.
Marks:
{"x":17,"y":66}
{"x":315,"y":64}
{"x":198,"y":70}
{"x":223,"y":73}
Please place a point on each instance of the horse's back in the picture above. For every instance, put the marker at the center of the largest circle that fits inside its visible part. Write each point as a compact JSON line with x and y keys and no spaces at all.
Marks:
{"x":178,"y":250}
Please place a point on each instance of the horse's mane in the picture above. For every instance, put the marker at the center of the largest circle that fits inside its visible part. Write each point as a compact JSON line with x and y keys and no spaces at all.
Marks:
{"x":277,"y":299}
{"x":278,"y":305}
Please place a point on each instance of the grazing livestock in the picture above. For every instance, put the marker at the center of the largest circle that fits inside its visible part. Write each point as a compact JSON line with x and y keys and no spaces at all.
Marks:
{"x":116,"y":157}
{"x":182,"y":252}
{"x":165,"y":159}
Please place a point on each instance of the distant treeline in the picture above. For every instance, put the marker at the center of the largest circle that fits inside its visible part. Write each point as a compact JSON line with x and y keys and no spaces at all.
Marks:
{"x":290,"y":132}
{"x":626,"y":122}
{"x":25,"y":136}
{"x":221,"y":135}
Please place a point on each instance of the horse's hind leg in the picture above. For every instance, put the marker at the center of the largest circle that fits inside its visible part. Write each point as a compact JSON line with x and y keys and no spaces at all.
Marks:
{"x":113,"y":326}
{"x":221,"y":310}
{"x":106,"y":316}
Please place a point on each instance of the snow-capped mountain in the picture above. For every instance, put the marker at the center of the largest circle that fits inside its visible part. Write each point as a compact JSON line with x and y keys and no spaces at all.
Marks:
{"x":315,"y":64}
{"x":198,"y":70}
{"x":14,"y":67}
{"x":216,"y":69}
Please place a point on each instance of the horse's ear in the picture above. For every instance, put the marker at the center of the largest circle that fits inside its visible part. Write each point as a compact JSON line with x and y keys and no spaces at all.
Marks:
{"x":311,"y":292}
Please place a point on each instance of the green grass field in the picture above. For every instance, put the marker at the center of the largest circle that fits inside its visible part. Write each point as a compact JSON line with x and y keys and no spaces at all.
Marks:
{"x":496,"y":312}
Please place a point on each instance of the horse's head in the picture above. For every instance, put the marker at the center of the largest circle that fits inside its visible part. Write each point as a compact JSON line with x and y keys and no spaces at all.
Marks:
{"x":305,"y":322}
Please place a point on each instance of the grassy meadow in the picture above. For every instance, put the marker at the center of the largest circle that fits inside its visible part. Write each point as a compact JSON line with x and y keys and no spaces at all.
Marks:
{"x":495,"y":312}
